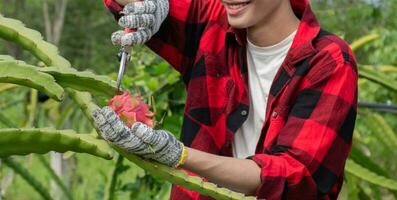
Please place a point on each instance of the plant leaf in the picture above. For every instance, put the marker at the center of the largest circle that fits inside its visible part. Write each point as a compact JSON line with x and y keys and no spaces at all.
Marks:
{"x":357,"y":156}
{"x":24,"y":173}
{"x":377,"y":77}
{"x":114,"y":174}
{"x":386,"y":129}
{"x":56,"y":178}
{"x":359,"y":43}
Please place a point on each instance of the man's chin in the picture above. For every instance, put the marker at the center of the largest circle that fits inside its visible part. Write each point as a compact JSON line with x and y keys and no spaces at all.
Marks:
{"x":238,"y":24}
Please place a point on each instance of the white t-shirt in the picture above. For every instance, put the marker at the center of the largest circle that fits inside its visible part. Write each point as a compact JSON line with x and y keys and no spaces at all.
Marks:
{"x":263,"y":64}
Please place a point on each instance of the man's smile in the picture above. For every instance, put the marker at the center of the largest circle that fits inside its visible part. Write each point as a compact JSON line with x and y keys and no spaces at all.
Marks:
{"x":235,"y":8}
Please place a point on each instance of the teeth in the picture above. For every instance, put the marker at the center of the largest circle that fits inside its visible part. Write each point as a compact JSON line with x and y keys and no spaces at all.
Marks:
{"x":237,"y":6}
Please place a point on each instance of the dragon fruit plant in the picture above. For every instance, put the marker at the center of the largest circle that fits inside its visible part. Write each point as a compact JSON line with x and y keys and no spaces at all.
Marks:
{"x":58,"y":78}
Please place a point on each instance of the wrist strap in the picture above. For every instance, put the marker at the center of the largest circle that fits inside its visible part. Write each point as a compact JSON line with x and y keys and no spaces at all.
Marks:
{"x":183,"y":157}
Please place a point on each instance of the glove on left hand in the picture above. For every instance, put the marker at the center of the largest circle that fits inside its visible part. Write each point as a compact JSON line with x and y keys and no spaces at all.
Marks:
{"x":141,"y":140}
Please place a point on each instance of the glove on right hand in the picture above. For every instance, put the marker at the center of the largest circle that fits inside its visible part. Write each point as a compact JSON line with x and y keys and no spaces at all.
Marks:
{"x":145,"y":16}
{"x":158,"y":145}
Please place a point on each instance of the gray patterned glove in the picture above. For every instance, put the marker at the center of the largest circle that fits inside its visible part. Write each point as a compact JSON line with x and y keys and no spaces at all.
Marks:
{"x":145,"y":16}
{"x":158,"y":145}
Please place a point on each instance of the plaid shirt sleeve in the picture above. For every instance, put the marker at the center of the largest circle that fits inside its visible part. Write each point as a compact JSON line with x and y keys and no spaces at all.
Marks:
{"x":315,"y":139}
{"x":179,"y":36}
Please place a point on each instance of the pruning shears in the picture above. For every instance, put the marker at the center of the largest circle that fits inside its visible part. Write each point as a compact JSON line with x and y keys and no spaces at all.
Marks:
{"x":124,"y":56}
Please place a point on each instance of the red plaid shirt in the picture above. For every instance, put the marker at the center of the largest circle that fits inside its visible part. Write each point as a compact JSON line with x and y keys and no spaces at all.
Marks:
{"x":311,"y":108}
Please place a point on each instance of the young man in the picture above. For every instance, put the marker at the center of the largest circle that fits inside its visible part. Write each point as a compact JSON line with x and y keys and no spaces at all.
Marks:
{"x":271,"y":98}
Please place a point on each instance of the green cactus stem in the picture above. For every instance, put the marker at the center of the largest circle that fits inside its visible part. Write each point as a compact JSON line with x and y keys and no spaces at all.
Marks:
{"x":41,"y":141}
{"x":82,"y":81}
{"x":23,"y":74}
{"x":31,"y":40}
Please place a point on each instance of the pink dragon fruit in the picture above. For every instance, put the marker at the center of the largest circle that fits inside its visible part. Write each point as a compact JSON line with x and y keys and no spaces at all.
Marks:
{"x":132,"y":109}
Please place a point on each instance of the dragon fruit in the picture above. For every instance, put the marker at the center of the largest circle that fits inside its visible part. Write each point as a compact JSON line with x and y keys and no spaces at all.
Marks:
{"x":132,"y":109}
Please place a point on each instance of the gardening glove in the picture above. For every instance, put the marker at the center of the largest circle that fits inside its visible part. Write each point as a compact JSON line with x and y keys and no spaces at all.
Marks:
{"x":158,"y":145}
{"x":144,"y":16}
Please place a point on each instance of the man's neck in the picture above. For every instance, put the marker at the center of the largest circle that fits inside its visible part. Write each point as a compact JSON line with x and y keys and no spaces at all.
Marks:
{"x":272,"y":30}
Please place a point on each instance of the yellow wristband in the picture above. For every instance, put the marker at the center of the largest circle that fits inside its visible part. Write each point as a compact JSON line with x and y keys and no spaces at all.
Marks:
{"x":183,"y":157}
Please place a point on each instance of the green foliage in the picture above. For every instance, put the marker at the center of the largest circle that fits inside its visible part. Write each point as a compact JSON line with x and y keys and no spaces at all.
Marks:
{"x":111,"y":187}
{"x":356,"y":45}
{"x":4,"y":120}
{"x":24,"y":173}
{"x":370,"y":176}
{"x":357,"y":156}
{"x":385,"y":129}
{"x":56,"y":178}
{"x":377,"y":77}
{"x":85,"y":102}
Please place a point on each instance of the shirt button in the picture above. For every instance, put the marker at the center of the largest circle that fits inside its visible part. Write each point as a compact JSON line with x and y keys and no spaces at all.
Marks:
{"x":275,"y":114}
{"x":228,"y":144}
{"x":244,"y":113}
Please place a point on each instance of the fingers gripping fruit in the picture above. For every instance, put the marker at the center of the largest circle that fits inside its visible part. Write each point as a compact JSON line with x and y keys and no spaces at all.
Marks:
{"x":132,"y":109}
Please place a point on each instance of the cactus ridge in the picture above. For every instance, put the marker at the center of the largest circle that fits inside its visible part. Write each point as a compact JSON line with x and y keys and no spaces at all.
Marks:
{"x":12,"y":71}
{"x":42,"y":141}
{"x":31,"y":40}
{"x":7,"y":58}
{"x":82,"y":81}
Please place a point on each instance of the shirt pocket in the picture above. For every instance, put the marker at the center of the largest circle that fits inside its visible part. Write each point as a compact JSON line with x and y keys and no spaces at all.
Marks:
{"x":208,"y":90}
{"x":277,"y":121}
